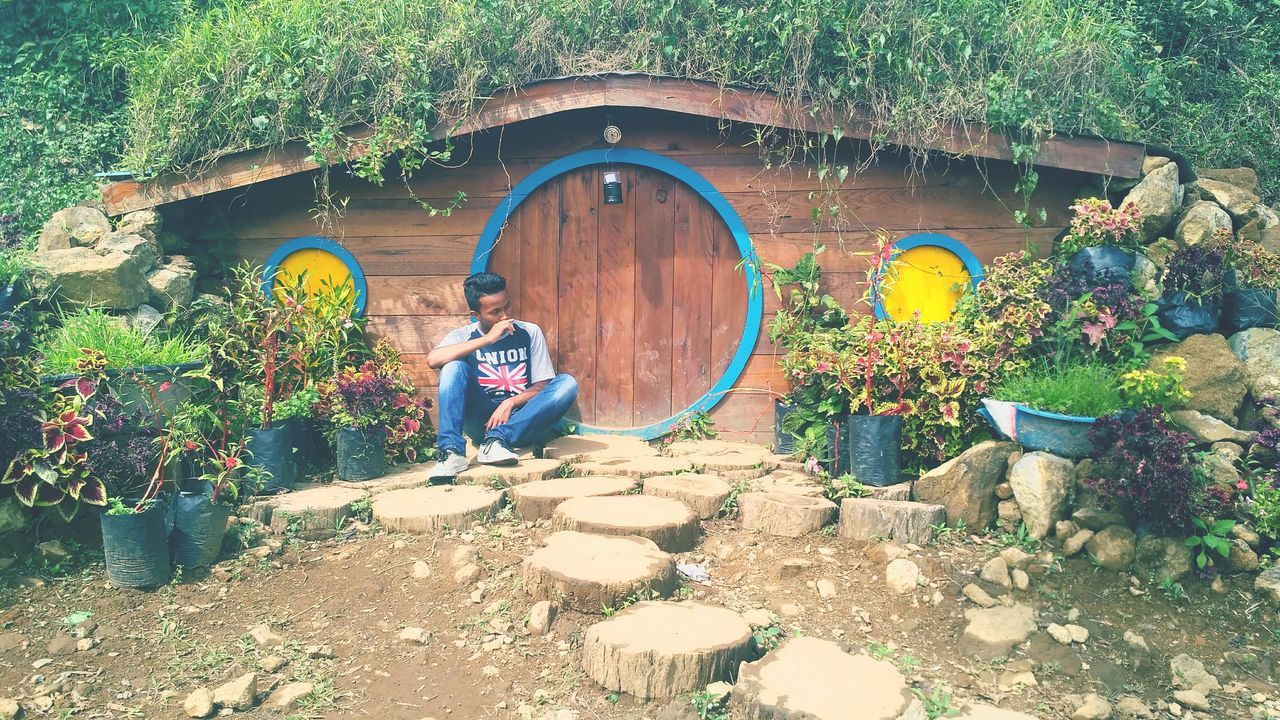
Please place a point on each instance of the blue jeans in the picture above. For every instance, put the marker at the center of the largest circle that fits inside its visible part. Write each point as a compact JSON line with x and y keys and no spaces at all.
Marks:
{"x":463,"y":405}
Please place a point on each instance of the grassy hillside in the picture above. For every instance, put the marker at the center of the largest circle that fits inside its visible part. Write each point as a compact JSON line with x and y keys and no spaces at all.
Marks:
{"x":165,"y":84}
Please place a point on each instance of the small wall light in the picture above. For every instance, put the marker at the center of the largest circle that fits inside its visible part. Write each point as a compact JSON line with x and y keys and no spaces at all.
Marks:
{"x":612,"y":188}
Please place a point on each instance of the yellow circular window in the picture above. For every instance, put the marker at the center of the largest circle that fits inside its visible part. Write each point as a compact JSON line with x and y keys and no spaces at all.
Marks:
{"x":316,"y":264}
{"x":928,"y":274}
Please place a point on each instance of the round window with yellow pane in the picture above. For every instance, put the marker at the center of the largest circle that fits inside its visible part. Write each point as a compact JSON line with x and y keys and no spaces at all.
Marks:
{"x":928,"y":274}
{"x":311,"y":265}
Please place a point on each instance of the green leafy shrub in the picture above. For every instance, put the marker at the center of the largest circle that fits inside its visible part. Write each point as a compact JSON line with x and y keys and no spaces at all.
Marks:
{"x":1094,"y":222}
{"x":1150,"y":388}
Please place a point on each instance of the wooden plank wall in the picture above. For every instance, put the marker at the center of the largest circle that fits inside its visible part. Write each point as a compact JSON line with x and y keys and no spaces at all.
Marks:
{"x":415,"y":262}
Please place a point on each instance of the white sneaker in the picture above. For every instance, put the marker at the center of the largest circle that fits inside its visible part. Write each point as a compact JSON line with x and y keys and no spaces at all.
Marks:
{"x":493,"y":452}
{"x":448,"y":467}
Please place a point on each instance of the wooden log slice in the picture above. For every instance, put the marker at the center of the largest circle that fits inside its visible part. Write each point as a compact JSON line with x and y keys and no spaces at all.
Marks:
{"x":670,"y":524}
{"x":784,"y":514}
{"x":663,"y":649}
{"x":538,"y":500}
{"x":433,"y":508}
{"x":704,"y":494}
{"x":592,"y":572}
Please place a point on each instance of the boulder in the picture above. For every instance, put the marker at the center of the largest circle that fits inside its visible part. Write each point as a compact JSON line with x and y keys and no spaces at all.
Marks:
{"x":906,"y":522}
{"x":84,"y":277}
{"x":147,"y":223}
{"x":1267,"y":585}
{"x":805,"y":677}
{"x":1158,"y":197}
{"x":1236,"y":200}
{"x":1042,"y":485}
{"x":1259,"y":350}
{"x":1268,"y":228}
{"x":1242,"y":558}
{"x":145,"y":251}
{"x":992,"y":632}
{"x":1074,"y":544}
{"x":1245,"y":178}
{"x":71,"y":227}
{"x":1215,"y":377}
{"x":1094,"y":518}
{"x":1200,"y":222}
{"x":965,"y":485}
{"x":784,"y":514}
{"x":172,"y":285}
{"x":664,"y":649}
{"x":1218,"y":470}
{"x":1162,"y":558}
{"x":1113,"y":548}
{"x":1207,"y":429}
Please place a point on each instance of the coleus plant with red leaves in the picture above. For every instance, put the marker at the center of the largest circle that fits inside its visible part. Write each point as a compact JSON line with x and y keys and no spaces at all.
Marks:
{"x":55,"y":474}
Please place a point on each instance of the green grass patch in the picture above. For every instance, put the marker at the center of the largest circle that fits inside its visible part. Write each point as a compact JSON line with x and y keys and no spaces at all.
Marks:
{"x":1087,"y":389}
{"x":123,"y":346}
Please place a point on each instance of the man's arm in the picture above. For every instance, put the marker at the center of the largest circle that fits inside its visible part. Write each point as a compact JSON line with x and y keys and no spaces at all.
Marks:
{"x":443,"y":355}
{"x":502,"y":413}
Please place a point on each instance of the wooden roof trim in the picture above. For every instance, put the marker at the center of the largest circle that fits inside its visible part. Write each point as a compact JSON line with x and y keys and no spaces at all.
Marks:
{"x":694,"y":97}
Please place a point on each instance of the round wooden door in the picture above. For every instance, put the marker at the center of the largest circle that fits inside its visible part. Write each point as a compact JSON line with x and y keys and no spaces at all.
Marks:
{"x":641,"y":301}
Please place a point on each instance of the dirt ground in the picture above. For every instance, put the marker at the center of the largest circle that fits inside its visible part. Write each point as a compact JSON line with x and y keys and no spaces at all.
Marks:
{"x":340,"y":605}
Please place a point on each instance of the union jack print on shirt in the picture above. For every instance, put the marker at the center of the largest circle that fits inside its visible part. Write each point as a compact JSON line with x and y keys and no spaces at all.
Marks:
{"x":511,"y":379}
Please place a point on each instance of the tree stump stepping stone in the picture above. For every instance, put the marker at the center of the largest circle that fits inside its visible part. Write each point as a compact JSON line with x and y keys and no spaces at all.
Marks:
{"x":791,"y":483}
{"x":311,"y":513}
{"x":539,"y":499}
{"x":405,"y":476}
{"x":670,"y":524}
{"x":906,"y":522}
{"x":805,"y":677}
{"x":527,"y":471}
{"x":784,"y":514}
{"x":591,"y":572}
{"x":430,"y":509}
{"x":742,"y":459}
{"x":576,"y":448}
{"x":704,"y":494}
{"x":633,"y":467}
{"x":664,"y":649}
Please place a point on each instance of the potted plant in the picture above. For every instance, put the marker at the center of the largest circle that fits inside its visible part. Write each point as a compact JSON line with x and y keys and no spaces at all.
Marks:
{"x":1250,"y":280}
{"x":1192,"y":282}
{"x":1055,"y":403}
{"x":806,"y":323}
{"x":1102,"y":240}
{"x":366,"y":406}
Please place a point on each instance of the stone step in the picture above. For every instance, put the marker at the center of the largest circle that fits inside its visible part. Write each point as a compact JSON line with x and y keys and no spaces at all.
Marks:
{"x":704,"y":494}
{"x":431,"y":509}
{"x":670,"y":524}
{"x":577,"y":448}
{"x":312,"y":512}
{"x":664,"y":649}
{"x":591,"y":572}
{"x":784,"y":514}
{"x":805,"y":677}
{"x":906,"y":522}
{"x":539,"y":499}
{"x":633,"y":467}
{"x":528,"y":470}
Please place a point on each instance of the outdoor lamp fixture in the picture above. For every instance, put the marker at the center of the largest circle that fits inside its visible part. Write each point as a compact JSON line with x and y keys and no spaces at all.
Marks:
{"x":612,"y":188}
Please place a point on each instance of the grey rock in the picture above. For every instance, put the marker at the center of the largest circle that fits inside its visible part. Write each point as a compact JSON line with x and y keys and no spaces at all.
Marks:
{"x":1267,"y":584}
{"x":1158,"y":197}
{"x":1136,"y":642}
{"x":979,"y":596}
{"x":1259,"y":350}
{"x":1207,"y":429}
{"x":1243,"y":532}
{"x":996,"y":570}
{"x":290,"y":696}
{"x":966,"y":484}
{"x":145,"y":251}
{"x":1113,"y":548}
{"x":1227,"y":449}
{"x":84,"y":277}
{"x":991,"y":633}
{"x":144,"y":319}
{"x":1131,"y":708}
{"x":1189,"y":674}
{"x":1016,"y":558}
{"x":1219,"y":470}
{"x":1193,"y":699}
{"x":1093,"y":708}
{"x":147,"y":223}
{"x":541,"y":616}
{"x":1199,"y":222}
{"x":1042,"y":484}
{"x":1245,"y":178}
{"x":1237,"y":201}
{"x":1162,"y":558}
{"x":78,"y":226}
{"x":1096,"y":519}
{"x":906,"y":522}
{"x":902,"y":576}
{"x":1021,"y":580}
{"x":172,"y":286}
{"x":1241,"y":557}
{"x":239,"y":694}
{"x":199,"y":704}
{"x":1076,"y":543}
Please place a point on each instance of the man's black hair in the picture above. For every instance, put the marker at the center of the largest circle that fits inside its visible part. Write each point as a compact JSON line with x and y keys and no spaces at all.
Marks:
{"x":481,"y":284}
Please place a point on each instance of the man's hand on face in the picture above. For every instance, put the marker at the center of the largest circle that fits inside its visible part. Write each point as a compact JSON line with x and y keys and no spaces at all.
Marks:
{"x":501,"y":415}
{"x":500,"y":329}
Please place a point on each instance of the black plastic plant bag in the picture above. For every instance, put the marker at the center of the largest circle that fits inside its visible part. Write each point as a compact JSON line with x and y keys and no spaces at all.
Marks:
{"x":361,"y":453}
{"x":1183,"y":317}
{"x":1249,"y":308}
{"x":136,"y":547}
{"x":198,"y":526}
{"x":1108,"y":264}
{"x":272,"y":450}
